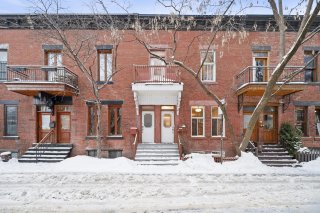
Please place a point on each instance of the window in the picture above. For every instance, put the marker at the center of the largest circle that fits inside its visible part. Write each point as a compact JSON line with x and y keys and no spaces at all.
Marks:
{"x":105,"y":65}
{"x":317,"y":117}
{"x":3,"y":65}
{"x":208,"y":70}
{"x":301,"y":119}
{"x":92,"y":120}
{"x":54,"y":58}
{"x":260,"y":63}
{"x":11,"y":120}
{"x":311,"y":66}
{"x":115,"y":120}
{"x":217,"y":123}
{"x":197,"y":121}
{"x":158,"y":68}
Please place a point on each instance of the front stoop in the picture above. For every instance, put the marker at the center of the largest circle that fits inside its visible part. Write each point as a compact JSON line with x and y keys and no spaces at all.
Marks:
{"x":157,"y":154}
{"x":277,"y":156}
{"x":47,"y":153}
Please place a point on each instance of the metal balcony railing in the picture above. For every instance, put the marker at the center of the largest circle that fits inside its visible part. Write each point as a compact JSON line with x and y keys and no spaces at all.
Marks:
{"x":41,"y":74}
{"x":156,"y":74}
{"x":261,"y":74}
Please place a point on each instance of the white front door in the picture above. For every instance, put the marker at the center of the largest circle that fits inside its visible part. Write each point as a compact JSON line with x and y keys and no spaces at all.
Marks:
{"x":147,"y":127}
{"x":167,"y":127}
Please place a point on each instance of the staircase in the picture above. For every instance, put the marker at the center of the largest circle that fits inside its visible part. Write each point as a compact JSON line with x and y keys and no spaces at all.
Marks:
{"x":46,"y":153}
{"x":276,"y":155}
{"x":157,"y":154}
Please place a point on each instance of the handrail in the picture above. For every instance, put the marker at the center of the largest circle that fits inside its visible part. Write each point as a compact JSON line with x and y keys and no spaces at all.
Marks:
{"x":157,"y":74}
{"x":180,"y":146}
{"x":46,"y":138}
{"x":135,"y":139}
{"x":36,"y":73}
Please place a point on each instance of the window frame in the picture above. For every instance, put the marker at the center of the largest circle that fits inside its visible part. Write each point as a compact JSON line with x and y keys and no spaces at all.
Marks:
{"x":107,"y":74}
{"x":198,"y":118}
{"x":5,"y":65}
{"x":218,"y":118}
{"x":317,"y":120}
{"x":5,"y":133}
{"x":95,"y":120}
{"x":118,"y":130}
{"x":56,"y":53}
{"x":304,"y":123}
{"x":314,"y":75}
{"x":214,"y":64}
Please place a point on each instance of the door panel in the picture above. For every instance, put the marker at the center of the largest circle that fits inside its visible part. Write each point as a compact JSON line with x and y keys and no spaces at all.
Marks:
{"x":167,"y":127}
{"x":255,"y":134}
{"x":64,"y":127}
{"x":269,"y":131}
{"x":44,"y":119}
{"x":147,"y":127}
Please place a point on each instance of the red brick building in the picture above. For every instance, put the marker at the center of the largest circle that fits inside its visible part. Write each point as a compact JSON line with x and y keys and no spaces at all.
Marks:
{"x":42,"y":91}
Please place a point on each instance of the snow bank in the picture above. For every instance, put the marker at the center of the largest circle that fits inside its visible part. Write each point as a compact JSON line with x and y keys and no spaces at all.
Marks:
{"x":197,"y":163}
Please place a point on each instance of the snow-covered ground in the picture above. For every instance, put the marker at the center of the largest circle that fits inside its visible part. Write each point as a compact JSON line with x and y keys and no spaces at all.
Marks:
{"x":196,"y":185}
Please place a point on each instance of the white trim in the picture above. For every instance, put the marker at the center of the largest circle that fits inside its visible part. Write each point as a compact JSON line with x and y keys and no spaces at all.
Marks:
{"x":204,"y":122}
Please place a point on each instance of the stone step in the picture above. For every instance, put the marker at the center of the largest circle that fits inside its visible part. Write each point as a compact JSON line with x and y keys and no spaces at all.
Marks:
{"x":51,"y":148}
{"x":39,"y":160}
{"x":157,"y":151}
{"x":54,"y":144}
{"x":282,"y":165}
{"x":273,"y":149}
{"x":274,"y":153}
{"x":45,"y":156}
{"x":279,"y":161}
{"x":157,"y":154}
{"x":159,"y":163}
{"x":155,"y":158}
{"x":47,"y":152}
{"x":275,"y":157}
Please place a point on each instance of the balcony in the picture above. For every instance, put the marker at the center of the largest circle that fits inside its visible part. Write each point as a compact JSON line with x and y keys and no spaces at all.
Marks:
{"x":252,"y":81}
{"x":30,"y":80}
{"x":157,"y":85}
{"x":156,"y":74}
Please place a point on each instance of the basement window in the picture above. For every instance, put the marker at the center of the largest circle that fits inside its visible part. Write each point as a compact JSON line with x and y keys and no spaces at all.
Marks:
{"x":115,"y":153}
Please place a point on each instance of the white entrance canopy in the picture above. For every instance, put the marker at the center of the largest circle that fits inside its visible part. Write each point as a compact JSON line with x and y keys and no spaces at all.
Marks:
{"x":157,"y":94}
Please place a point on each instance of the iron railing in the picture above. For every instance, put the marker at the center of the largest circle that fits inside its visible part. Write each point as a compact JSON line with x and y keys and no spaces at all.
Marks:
{"x":308,"y":155}
{"x":41,"y":146}
{"x":156,"y":74}
{"x":41,"y":74}
{"x":3,"y":70}
{"x":260,"y":74}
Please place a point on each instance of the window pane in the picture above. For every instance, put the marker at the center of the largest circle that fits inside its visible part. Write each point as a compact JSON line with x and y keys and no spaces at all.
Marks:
{"x":260,"y":54}
{"x":45,"y":122}
{"x":215,"y":112}
{"x":3,"y":70}
{"x":268,"y":121}
{"x":167,"y":120}
{"x":246,"y":119}
{"x":119,"y":131}
{"x":147,"y":120}
{"x":308,"y":75}
{"x":109,"y":67}
{"x":317,"y":115}
{"x":92,"y":120}
{"x":194,"y":127}
{"x":112,"y":121}
{"x":200,"y":127}
{"x":11,"y":120}
{"x":65,"y":122}
{"x":197,"y":112}
{"x":102,"y":67}
{"x":215,"y":127}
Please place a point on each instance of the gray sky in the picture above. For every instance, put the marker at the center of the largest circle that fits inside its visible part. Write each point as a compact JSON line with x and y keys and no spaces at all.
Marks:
{"x":137,"y":6}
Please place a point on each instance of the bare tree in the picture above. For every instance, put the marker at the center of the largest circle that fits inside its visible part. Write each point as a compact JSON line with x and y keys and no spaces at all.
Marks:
{"x":306,"y":22}
{"x":71,"y":31}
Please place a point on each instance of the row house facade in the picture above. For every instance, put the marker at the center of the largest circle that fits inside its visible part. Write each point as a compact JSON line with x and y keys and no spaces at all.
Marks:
{"x":42,"y":92}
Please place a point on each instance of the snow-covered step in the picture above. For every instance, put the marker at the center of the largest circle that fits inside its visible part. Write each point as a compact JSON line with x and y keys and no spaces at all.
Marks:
{"x":157,"y":154}
{"x":276,"y":155}
{"x":46,"y":153}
